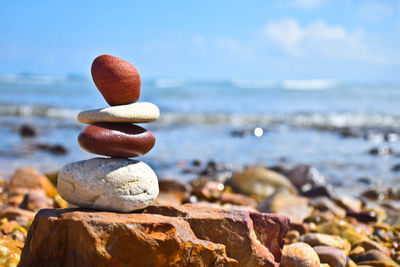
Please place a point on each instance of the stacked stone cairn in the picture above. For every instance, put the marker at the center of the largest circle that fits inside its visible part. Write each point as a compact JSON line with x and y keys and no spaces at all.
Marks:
{"x":114,"y":182}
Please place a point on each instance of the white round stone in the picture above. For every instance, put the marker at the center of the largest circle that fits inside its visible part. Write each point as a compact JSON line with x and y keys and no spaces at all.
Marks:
{"x":136,"y":112}
{"x":108,"y":184}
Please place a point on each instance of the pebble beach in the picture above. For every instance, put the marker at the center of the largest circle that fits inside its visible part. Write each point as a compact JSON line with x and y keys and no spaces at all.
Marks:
{"x":200,"y":133}
{"x":329,"y":174}
{"x":328,"y":169}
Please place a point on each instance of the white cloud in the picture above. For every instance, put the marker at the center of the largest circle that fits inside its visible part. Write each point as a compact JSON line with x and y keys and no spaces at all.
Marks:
{"x":286,"y":32}
{"x":320,"y":39}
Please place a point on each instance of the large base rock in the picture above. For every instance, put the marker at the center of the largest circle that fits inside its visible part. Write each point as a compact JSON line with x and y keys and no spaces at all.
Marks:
{"x":187,"y":235}
{"x":116,"y":184}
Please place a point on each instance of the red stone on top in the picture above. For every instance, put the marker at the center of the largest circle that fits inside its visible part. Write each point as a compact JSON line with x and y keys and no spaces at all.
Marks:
{"x":117,"y":80}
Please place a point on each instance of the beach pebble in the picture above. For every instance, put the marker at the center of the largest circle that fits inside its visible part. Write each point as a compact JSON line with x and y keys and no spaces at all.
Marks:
{"x":349,"y":203}
{"x":259,"y":182}
{"x":173,"y":192}
{"x":305,"y":177}
{"x":372,"y":245}
{"x":374,"y":256}
{"x":117,"y":80}
{"x":35,"y":200}
{"x":285,"y":203}
{"x":363,"y":216}
{"x":237,"y":199}
{"x":27,"y":130}
{"x":116,"y":139}
{"x":319,"y":191}
{"x":30,"y":178}
{"x":134,"y":113}
{"x":333,"y":256}
{"x":325,"y":204}
{"x":108,"y":184}
{"x":381,"y":151}
{"x":343,"y":229}
{"x":53,"y":149}
{"x":204,"y":188}
{"x":302,"y":228}
{"x":10,"y":251}
{"x":299,"y":255}
{"x":317,"y":239}
{"x":16,"y":214}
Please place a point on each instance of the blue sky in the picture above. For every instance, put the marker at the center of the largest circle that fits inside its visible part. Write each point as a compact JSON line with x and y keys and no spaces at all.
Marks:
{"x":212,"y":39}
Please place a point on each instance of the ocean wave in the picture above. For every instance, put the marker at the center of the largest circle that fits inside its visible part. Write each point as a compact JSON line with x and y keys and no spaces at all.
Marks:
{"x":313,"y":84}
{"x":37,"y":111}
{"x":254,"y":84}
{"x":306,"y":120}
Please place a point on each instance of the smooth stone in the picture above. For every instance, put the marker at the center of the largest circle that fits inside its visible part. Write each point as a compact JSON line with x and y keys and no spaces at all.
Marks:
{"x":206,"y":189}
{"x":349,"y":203}
{"x":53,"y":149}
{"x":30,"y":178}
{"x":374,"y":256}
{"x":120,"y":140}
{"x":12,"y":214}
{"x":173,"y":192}
{"x":326,"y":204}
{"x":333,"y":256}
{"x":302,"y":228}
{"x":136,"y":112}
{"x":27,"y":130}
{"x":319,"y":191}
{"x":363,"y":216}
{"x":299,"y":255}
{"x":259,"y":182}
{"x":237,"y":199}
{"x":356,"y":251}
{"x":117,"y":80}
{"x":317,"y":239}
{"x":292,"y":236}
{"x":164,"y":198}
{"x":343,"y":229}
{"x":372,"y":245}
{"x":35,"y":200}
{"x":288,"y":204}
{"x":305,"y":177}
{"x":108,"y":184}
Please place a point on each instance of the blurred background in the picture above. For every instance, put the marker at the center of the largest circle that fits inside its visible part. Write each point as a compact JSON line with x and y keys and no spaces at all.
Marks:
{"x":262,"y":82}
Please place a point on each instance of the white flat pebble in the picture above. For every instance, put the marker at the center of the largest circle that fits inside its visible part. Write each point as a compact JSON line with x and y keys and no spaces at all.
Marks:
{"x":108,"y":184}
{"x":137,"y":112}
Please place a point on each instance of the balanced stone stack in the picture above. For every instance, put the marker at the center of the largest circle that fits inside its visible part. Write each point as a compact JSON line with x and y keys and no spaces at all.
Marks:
{"x":116,"y":183}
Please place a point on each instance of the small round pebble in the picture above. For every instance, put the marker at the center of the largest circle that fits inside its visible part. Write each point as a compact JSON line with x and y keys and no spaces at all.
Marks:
{"x":333,"y":256}
{"x":299,"y":255}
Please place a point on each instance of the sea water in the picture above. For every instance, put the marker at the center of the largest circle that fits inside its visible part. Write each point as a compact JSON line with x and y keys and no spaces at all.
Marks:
{"x":215,"y":120}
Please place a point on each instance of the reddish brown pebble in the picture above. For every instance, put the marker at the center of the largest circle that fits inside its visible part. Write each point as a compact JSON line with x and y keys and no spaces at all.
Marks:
{"x":117,"y":80}
{"x":119,"y":140}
